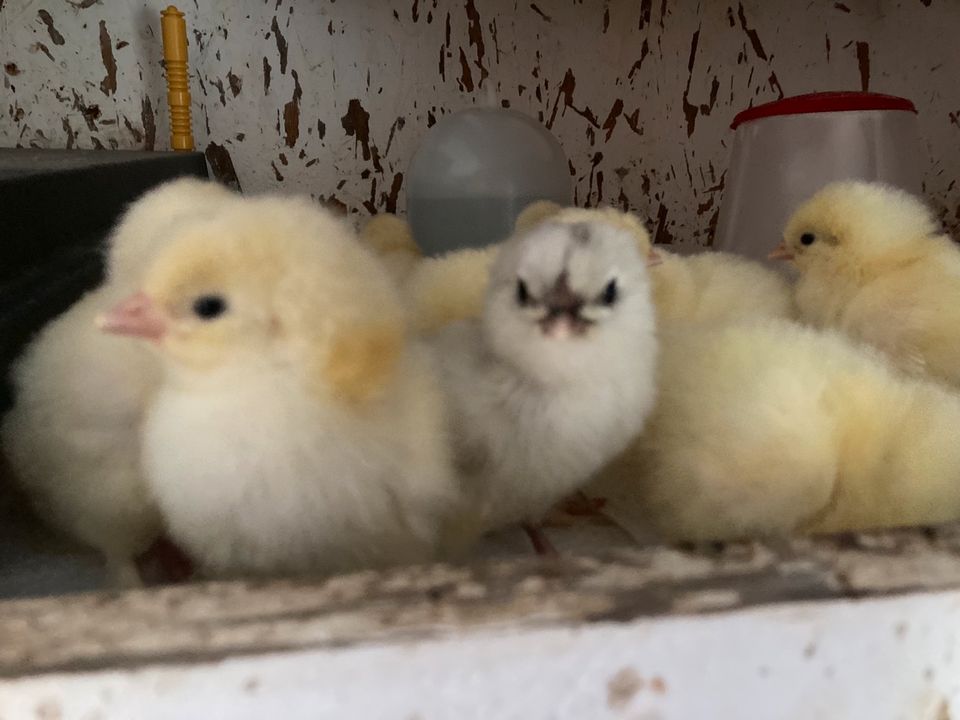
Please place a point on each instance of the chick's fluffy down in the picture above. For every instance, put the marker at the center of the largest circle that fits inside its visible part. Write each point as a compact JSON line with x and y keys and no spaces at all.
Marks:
{"x":706,"y":287}
{"x":715,"y":287}
{"x":392,"y":239}
{"x":876,"y":266}
{"x":536,"y":412}
{"x":72,"y":436}
{"x":448,"y":288}
{"x":298,"y":431}
{"x":709,"y":287}
{"x":771,"y":428}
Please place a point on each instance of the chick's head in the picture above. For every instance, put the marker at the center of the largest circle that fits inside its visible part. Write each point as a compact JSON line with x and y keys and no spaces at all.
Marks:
{"x":564,"y":295}
{"x":270,"y":283}
{"x":611,"y":216}
{"x":853,"y":222}
{"x":150,"y":221}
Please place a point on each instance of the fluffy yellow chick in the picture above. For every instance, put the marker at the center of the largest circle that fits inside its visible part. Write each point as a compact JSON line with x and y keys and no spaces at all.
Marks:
{"x":452,"y":287}
{"x":392,"y":239}
{"x":72,"y":436}
{"x":874,"y":264}
{"x":297,"y":429}
{"x":441,"y":290}
{"x":771,"y":428}
{"x":709,"y":287}
{"x":534,"y":214}
{"x":716,"y":287}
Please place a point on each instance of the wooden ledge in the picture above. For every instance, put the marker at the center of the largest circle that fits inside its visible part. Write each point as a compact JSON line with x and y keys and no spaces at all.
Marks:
{"x":210,"y":621}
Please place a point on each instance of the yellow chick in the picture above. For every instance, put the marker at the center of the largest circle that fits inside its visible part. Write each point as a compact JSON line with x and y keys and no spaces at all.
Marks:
{"x":713,"y":288}
{"x":72,"y":436}
{"x":441,"y":290}
{"x":874,"y":264}
{"x":709,"y":287}
{"x":534,"y":214}
{"x":391,"y":238}
{"x":297,"y":429}
{"x":452,"y":287}
{"x":771,"y":428}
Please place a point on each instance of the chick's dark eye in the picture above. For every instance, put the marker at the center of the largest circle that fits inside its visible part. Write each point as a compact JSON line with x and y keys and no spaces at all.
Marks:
{"x":208,"y":307}
{"x":808,"y":238}
{"x":523,"y":294}
{"x":610,"y":293}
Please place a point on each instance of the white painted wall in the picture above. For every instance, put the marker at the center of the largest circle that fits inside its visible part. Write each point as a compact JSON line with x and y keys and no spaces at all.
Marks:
{"x":640,"y":93}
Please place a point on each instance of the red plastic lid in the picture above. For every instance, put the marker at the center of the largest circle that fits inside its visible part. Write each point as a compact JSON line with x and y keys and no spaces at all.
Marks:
{"x":824,"y":102}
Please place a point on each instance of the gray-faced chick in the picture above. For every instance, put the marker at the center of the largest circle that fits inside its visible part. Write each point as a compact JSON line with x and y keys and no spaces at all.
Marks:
{"x":557,"y":376}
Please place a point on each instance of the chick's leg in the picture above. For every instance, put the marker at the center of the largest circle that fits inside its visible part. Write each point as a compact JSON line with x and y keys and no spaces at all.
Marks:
{"x":166,"y":561}
{"x":541,"y":543}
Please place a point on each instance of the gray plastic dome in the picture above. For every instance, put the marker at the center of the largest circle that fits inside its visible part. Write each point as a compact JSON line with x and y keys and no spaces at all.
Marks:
{"x":473,"y":174}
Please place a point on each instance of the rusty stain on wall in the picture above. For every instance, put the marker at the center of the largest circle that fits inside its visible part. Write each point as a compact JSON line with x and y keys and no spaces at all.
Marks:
{"x":108,"y":85}
{"x":291,"y":113}
{"x":221,"y":165}
{"x":640,"y":94}
{"x":863,"y":62}
{"x":54,"y":33}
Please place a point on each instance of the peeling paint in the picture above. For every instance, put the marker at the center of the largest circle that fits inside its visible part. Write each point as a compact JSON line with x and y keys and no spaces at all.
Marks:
{"x":221,"y":165}
{"x":109,"y":83}
{"x":149,"y":124}
{"x":266,"y":76}
{"x":291,"y":113}
{"x":863,"y":63}
{"x":356,"y":124}
{"x":235,"y":82}
{"x":282,"y":45}
{"x":47,"y":19}
{"x":653,"y":85}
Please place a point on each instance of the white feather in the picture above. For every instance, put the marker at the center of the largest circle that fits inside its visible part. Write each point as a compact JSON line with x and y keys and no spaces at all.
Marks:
{"x":534,"y":417}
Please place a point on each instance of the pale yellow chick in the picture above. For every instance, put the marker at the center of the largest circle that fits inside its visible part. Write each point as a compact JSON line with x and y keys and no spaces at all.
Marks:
{"x":771,"y":428}
{"x":441,"y":290}
{"x":874,"y":264}
{"x":453,"y":286}
{"x":709,"y":287}
{"x":72,"y":436}
{"x":298,"y":429}
{"x":534,"y":214}
{"x":391,"y":238}
{"x":717,"y":287}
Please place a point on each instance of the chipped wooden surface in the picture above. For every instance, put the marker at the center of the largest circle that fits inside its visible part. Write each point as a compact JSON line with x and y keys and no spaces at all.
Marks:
{"x":862,"y":627}
{"x":885,"y":659}
{"x":332,"y":98}
{"x":209,"y":622}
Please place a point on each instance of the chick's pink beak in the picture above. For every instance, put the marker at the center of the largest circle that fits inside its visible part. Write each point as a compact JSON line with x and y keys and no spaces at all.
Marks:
{"x":137,"y":316}
{"x":654,"y":258}
{"x":781,"y":252}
